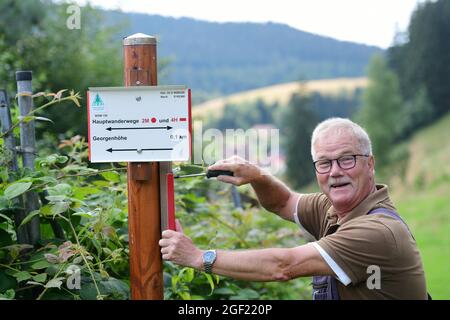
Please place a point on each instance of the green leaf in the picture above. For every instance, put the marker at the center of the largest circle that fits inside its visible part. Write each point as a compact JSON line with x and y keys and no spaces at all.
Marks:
{"x":62,"y":159}
{"x":246,"y":294}
{"x":111,"y":176}
{"x":80,"y":193}
{"x":29,"y":217}
{"x":5,"y":217}
{"x":22,"y":275}
{"x":224,"y":291}
{"x":40,"y":265}
{"x":8,"y":295}
{"x":187,"y":274}
{"x":56,"y":198}
{"x":88,"y":215}
{"x":210,"y":281}
{"x":55,"y":283}
{"x":44,"y":119}
{"x":184,"y":295}
{"x":6,"y":281}
{"x":100,"y":183}
{"x":46,"y":210}
{"x":45,"y":180}
{"x":60,"y":207}
{"x":40,"y":277}
{"x":60,"y":189}
{"x":16,"y":189}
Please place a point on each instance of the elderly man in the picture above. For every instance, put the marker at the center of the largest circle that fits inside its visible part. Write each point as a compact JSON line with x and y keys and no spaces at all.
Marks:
{"x":363,"y":250}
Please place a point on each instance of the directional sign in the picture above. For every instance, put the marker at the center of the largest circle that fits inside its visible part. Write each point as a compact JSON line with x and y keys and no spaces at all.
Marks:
{"x":139,"y":124}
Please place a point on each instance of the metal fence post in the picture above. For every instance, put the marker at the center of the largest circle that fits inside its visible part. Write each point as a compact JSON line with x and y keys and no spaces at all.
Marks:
{"x":28,"y":147}
{"x":10,"y":147}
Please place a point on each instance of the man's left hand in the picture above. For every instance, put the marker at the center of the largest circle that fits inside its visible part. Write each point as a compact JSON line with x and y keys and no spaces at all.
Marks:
{"x":178,"y":248}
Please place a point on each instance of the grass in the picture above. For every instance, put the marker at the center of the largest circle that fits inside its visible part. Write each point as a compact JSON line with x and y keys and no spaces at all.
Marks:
{"x":280,"y":93}
{"x":421,"y":196}
{"x":428,"y":216}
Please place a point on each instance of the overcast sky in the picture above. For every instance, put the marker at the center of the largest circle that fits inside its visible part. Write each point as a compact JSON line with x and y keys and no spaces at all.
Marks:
{"x":371,"y":22}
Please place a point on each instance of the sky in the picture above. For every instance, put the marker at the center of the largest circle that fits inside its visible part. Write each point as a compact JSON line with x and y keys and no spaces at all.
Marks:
{"x":372,"y":22}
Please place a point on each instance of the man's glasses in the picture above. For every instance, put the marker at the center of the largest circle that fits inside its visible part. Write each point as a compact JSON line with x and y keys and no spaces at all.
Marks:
{"x":345,"y":162}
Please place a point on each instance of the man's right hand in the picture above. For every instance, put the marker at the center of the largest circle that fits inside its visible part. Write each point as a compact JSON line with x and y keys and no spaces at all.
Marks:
{"x":244,"y":172}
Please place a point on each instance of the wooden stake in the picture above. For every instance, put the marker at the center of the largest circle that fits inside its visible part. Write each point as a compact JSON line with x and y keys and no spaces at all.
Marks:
{"x":146,"y":272}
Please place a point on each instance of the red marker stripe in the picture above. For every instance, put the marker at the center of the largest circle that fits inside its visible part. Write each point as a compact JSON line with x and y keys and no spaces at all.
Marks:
{"x":190,"y":124}
{"x":170,"y":202}
{"x":89,"y":125}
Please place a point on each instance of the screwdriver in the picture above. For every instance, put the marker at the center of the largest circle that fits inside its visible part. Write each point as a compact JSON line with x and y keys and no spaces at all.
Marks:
{"x":208,"y":174}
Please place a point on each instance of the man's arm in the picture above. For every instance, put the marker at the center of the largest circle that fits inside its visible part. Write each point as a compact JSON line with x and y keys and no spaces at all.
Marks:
{"x":276,"y":197}
{"x":279,"y":264}
{"x":273,"y":194}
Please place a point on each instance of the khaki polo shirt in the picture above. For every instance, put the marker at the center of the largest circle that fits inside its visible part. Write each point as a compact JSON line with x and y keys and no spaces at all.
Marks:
{"x":363,"y":240}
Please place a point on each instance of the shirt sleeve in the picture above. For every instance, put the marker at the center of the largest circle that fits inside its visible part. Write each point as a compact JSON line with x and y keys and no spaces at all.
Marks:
{"x":340,"y":274}
{"x":311,"y":213}
{"x":360,"y":244}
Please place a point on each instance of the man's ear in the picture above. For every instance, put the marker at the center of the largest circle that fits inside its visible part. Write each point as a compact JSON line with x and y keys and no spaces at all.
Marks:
{"x":371,"y":163}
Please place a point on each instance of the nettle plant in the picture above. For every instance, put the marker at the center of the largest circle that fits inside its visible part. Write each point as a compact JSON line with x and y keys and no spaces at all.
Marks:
{"x":83,"y":250}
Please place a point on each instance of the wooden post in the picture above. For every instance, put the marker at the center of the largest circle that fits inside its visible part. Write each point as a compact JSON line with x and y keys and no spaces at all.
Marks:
{"x":146,"y":272}
{"x":28,"y":148}
{"x":10,"y":145}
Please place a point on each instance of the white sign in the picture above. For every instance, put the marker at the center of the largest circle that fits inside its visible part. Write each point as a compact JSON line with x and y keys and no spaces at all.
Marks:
{"x":139,"y":124}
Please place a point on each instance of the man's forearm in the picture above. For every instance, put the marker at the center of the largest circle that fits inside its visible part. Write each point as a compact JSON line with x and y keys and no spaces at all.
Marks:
{"x":252,"y":265}
{"x":275,"y":196}
{"x":275,"y":264}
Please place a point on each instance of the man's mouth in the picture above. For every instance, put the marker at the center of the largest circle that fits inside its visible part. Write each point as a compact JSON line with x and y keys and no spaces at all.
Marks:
{"x":339,"y":185}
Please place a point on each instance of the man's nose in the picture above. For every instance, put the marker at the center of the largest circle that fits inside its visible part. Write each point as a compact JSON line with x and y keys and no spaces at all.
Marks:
{"x":336,"y":170}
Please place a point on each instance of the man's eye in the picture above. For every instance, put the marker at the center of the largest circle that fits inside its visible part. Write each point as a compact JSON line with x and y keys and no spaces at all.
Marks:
{"x":346,"y":160}
{"x":323,"y":164}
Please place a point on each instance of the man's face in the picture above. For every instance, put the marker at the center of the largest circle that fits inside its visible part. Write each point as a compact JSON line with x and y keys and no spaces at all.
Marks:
{"x":345,"y":188}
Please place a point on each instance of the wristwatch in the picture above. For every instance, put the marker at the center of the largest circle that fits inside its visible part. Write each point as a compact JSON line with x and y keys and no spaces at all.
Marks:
{"x":209,"y":257}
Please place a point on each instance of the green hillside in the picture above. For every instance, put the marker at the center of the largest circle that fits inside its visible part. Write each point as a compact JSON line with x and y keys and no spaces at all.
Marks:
{"x":421,"y":195}
{"x":217,"y":59}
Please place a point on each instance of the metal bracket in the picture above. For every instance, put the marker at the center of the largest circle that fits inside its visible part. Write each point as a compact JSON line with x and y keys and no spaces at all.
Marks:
{"x":26,"y":150}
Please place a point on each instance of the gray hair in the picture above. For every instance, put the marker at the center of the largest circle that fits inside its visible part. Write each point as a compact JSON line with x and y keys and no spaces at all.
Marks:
{"x":342,"y":125}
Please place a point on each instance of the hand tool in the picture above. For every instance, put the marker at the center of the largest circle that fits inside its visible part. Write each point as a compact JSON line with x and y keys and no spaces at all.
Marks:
{"x":208,"y":174}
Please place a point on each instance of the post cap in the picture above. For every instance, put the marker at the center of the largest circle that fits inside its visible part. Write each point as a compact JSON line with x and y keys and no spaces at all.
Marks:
{"x":24,"y":75}
{"x":139,"y":38}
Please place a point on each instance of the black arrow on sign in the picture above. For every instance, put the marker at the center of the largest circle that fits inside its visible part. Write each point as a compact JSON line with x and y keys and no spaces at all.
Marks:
{"x":153,"y":149}
{"x":139,"y":128}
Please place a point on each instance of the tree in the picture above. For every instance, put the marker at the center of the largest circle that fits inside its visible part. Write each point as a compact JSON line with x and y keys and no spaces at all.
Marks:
{"x":423,"y":62}
{"x":298,"y":123}
{"x":61,"y":57}
{"x":382,"y":106}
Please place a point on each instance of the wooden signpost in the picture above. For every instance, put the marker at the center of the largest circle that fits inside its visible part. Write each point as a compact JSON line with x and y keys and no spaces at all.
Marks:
{"x":148,"y":127}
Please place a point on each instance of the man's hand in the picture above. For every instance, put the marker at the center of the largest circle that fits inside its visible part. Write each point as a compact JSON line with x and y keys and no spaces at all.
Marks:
{"x":178,"y":248}
{"x":244,"y":171}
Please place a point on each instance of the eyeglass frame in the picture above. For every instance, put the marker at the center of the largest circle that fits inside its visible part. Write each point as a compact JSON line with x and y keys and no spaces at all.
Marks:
{"x":337,"y":161}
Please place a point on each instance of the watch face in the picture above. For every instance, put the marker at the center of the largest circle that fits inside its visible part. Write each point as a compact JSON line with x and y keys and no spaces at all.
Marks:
{"x":209,"y":256}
